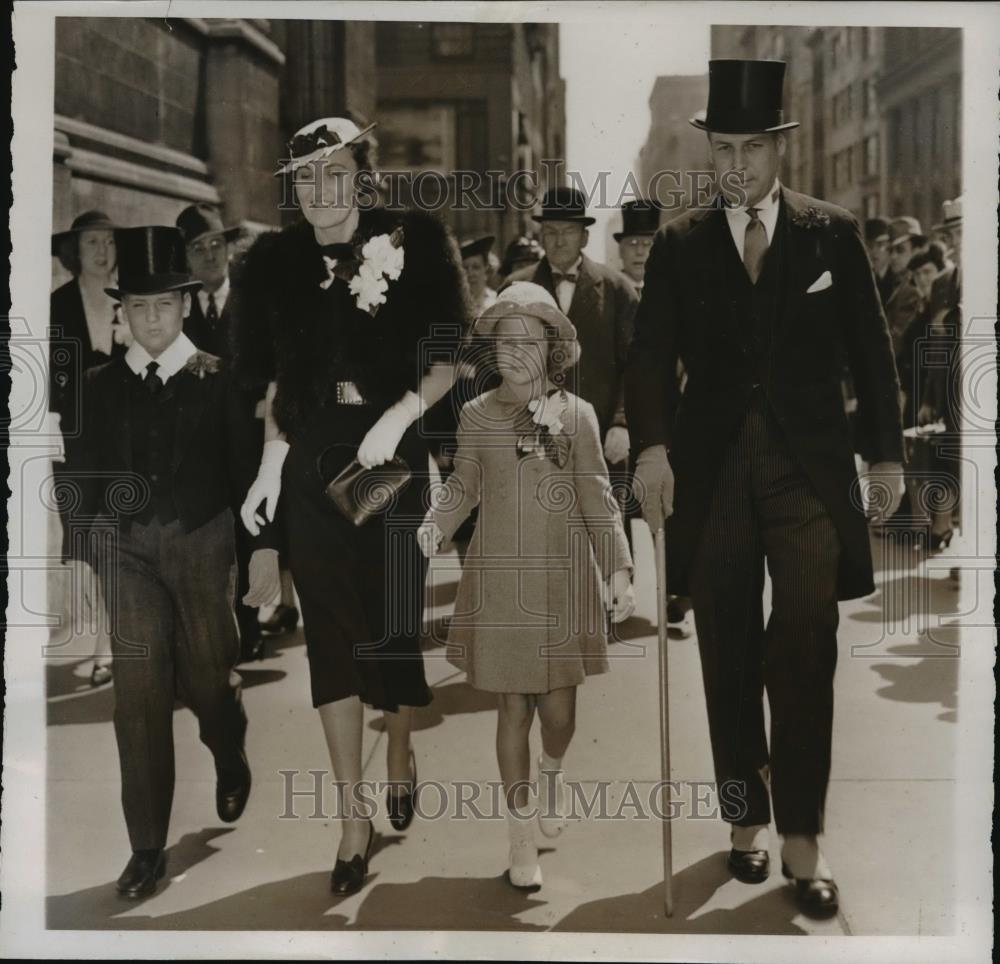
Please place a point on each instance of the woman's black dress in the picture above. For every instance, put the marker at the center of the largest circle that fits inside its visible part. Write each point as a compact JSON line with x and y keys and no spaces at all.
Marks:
{"x":361,"y":588}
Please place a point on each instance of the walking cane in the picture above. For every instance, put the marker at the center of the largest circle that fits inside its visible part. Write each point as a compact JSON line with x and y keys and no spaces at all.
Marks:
{"x":659,"y":549}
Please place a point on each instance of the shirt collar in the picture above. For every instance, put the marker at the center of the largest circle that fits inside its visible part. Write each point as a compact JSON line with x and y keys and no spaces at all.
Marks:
{"x":764,"y":206}
{"x":221,"y":294}
{"x":575,"y":269}
{"x":171,"y":360}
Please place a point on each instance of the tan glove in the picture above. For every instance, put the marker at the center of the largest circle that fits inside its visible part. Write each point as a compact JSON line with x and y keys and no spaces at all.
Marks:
{"x":653,"y":486}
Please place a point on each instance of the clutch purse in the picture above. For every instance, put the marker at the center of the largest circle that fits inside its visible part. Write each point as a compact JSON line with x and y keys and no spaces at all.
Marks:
{"x":359,"y":493}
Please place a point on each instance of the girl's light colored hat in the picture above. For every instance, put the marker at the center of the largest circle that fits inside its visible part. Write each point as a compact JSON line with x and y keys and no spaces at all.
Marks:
{"x":525,"y":298}
{"x":320,"y":139}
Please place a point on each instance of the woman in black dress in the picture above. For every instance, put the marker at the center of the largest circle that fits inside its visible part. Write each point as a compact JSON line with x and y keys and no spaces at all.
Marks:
{"x":351,"y":316}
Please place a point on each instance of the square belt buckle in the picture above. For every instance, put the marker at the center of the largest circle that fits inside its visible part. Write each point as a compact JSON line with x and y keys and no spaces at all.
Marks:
{"x":348,"y":394}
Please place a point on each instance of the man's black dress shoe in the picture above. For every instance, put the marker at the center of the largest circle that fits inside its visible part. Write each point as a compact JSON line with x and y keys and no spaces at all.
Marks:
{"x":232,"y":790}
{"x":816,"y":897}
{"x":400,"y":805}
{"x":144,"y":869}
{"x":749,"y":866}
{"x":283,"y":620}
{"x":348,"y":876}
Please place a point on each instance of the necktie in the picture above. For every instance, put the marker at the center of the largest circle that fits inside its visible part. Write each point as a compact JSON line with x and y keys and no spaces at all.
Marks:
{"x":564,"y":295}
{"x":754,"y":245}
{"x":212,"y":315}
{"x":569,"y":276}
{"x":152,"y":381}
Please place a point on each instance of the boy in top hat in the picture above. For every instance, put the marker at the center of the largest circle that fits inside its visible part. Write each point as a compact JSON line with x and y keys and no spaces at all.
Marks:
{"x":207,"y":244}
{"x":170,"y":449}
{"x":600,"y":302}
{"x":640,"y":219}
{"x":476,"y":264}
{"x":761,"y":297}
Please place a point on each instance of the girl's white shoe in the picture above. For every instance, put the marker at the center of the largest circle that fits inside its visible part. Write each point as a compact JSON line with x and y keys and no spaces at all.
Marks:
{"x":553,"y":806}
{"x":524,"y":870}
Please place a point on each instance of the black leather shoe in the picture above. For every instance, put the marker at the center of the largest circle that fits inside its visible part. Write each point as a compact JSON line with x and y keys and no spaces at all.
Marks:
{"x":253,"y":650}
{"x":816,"y":897}
{"x":232,"y":790}
{"x":144,"y":869}
{"x":400,"y":805}
{"x":749,"y":866}
{"x":348,"y":876}
{"x":284,"y":619}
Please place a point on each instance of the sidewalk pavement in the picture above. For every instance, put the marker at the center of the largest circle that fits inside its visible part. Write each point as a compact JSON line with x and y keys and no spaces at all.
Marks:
{"x":889,"y":810}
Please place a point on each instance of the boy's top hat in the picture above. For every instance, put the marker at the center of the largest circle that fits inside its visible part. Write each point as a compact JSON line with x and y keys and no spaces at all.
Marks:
{"x":638,"y":217}
{"x":151,"y":260}
{"x":744,"y":97}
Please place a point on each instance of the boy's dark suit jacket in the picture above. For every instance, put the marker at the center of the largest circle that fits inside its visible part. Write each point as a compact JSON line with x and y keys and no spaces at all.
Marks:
{"x":695,"y":306}
{"x":602,"y":311}
{"x":216,"y":446}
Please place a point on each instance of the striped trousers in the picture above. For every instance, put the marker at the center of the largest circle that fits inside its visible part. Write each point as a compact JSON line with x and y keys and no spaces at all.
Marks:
{"x":764,"y":510}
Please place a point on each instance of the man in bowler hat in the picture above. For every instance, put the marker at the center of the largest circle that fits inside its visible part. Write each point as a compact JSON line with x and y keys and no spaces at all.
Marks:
{"x":208,"y":246}
{"x":600,"y":302}
{"x":170,"y":450}
{"x":761,"y":297}
{"x":640,"y":219}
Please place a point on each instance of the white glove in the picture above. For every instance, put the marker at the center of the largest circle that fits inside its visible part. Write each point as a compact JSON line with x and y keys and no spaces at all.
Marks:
{"x":882,"y":489}
{"x":621,"y":596}
{"x":616,"y":444}
{"x":266,"y":487}
{"x":54,"y":432}
{"x":429,"y":536}
{"x":383,"y":438}
{"x":653,"y":486}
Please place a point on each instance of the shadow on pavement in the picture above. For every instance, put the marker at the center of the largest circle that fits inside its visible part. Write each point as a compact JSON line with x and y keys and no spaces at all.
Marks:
{"x":452,"y":699}
{"x":934,"y":679}
{"x":773,"y":912}
{"x":97,"y":908}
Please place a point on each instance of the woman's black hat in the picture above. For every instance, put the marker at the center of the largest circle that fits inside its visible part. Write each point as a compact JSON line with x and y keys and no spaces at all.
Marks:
{"x":88,"y":221}
{"x":744,"y":97}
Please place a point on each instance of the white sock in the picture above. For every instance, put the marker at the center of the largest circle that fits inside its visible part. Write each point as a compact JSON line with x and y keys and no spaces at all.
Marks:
{"x":750,"y":838}
{"x":804,"y":858}
{"x":547,"y":762}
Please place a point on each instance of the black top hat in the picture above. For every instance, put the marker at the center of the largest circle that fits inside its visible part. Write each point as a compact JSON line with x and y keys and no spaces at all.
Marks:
{"x":744,"y":97}
{"x":564,"y":204}
{"x":876,"y":228}
{"x":638,"y":217}
{"x":473,"y":246}
{"x":199,"y":220}
{"x":151,"y":260}
{"x":88,"y":221}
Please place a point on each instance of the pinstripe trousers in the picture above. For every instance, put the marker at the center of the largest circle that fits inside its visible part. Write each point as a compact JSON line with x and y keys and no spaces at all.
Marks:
{"x":764,"y":510}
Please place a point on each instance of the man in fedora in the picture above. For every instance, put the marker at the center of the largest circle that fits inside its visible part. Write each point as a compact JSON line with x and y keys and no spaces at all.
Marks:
{"x":600,"y":302}
{"x":906,"y":238}
{"x":760,"y":298}
{"x":640,"y":219}
{"x":207,"y":243}
{"x":170,"y":450}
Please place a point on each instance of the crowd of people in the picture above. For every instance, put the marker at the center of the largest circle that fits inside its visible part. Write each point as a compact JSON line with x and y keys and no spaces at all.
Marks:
{"x":275,"y":414}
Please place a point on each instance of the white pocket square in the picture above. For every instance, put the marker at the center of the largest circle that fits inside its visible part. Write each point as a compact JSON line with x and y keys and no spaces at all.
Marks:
{"x":823,"y":282}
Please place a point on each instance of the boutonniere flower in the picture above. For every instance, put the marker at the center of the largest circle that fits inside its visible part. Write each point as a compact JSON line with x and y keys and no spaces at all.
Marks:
{"x":542,"y":428}
{"x":811,"y":217}
{"x":201,"y":363}
{"x":382,"y":261}
{"x":121,"y":334}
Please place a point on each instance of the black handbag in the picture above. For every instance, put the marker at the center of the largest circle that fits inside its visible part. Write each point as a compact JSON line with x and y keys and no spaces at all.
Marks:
{"x":359,"y":493}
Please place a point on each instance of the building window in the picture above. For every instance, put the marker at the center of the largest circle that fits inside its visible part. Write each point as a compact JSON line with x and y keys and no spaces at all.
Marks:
{"x":871,"y":206}
{"x":869,"y":93}
{"x":871,"y":155}
{"x":452,"y":41}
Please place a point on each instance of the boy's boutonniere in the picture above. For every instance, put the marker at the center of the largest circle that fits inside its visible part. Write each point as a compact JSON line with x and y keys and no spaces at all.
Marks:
{"x":542,"y":427}
{"x":811,"y":217}
{"x":201,"y":363}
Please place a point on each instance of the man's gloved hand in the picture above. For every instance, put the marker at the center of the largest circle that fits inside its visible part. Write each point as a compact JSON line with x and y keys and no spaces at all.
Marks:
{"x":653,"y":486}
{"x":616,"y":444}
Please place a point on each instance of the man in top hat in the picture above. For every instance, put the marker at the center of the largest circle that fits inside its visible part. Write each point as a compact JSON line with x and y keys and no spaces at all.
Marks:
{"x":906,"y":238}
{"x":600,"y":302}
{"x":640,"y":219}
{"x":476,"y":264}
{"x":209,"y":326}
{"x":170,"y":450}
{"x":877,"y":243}
{"x":761,"y":297}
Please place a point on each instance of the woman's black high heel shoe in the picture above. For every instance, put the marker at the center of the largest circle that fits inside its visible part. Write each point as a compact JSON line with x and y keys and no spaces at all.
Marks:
{"x":400,"y":805}
{"x":284,"y":619}
{"x":941,"y":540}
{"x":348,"y":876}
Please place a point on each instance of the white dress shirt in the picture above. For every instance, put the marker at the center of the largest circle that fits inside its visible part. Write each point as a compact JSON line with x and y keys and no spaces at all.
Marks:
{"x":171,"y":360}
{"x":565,"y":289}
{"x":221,"y":294}
{"x":767,"y":211}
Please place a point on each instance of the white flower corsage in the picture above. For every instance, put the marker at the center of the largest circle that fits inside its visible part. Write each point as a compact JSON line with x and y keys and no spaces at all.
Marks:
{"x":547,"y":412}
{"x":381,"y":262}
